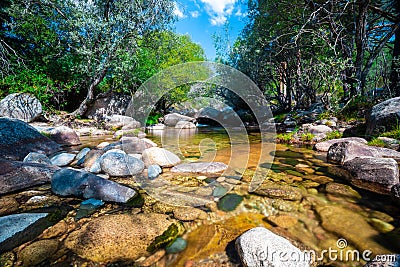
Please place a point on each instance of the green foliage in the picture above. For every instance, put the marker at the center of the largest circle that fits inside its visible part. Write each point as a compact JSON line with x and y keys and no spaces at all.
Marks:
{"x":153,"y":118}
{"x":355,"y":109}
{"x":333,"y":135}
{"x":324,"y":115}
{"x":377,"y":142}
{"x":280,"y":118}
{"x":307,"y":137}
{"x":286,"y":138}
{"x":395,"y":133}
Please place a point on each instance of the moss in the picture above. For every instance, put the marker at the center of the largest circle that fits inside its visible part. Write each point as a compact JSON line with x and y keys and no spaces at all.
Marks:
{"x":167,"y":238}
{"x":136,"y":201}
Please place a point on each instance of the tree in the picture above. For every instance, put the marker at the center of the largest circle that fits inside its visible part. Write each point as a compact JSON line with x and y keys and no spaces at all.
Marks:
{"x":94,"y":34}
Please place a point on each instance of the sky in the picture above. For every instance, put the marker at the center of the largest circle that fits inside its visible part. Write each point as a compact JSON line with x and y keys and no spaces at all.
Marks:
{"x":203,"y":18}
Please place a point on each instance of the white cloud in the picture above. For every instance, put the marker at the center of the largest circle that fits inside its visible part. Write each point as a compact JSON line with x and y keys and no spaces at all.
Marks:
{"x":219,"y":10}
{"x":178,"y":12}
{"x":195,"y":14}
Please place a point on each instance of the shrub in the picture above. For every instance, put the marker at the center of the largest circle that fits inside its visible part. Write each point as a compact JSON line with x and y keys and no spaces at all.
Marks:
{"x":377,"y":142}
{"x":307,"y":137}
{"x":333,"y":135}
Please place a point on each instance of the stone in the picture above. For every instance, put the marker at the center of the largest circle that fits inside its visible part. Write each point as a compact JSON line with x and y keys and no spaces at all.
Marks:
{"x":189,"y":214}
{"x":381,"y":226}
{"x":201,"y":168}
{"x":229,"y":202}
{"x":34,"y":157}
{"x":373,"y":174}
{"x":121,"y":237}
{"x":70,"y":182}
{"x":88,"y":207}
{"x":135,"y":145}
{"x":172,"y":119}
{"x":62,"y":135}
{"x":18,"y":139}
{"x":151,"y":260}
{"x":115,"y":104}
{"x":153,"y":171}
{"x":119,"y":121}
{"x":319,"y":129}
{"x":120,"y":164}
{"x":62,"y":159}
{"x":38,"y":252}
{"x":390,"y":142}
{"x":16,"y":175}
{"x":388,"y":260}
{"x":160,"y":156}
{"x":383,"y":117}
{"x":17,"y":229}
{"x":284,"y":221}
{"x":91,"y":157}
{"x":177,"y":246}
{"x":260,"y":247}
{"x":185,"y":125}
{"x":274,"y":190}
{"x":80,"y":157}
{"x":324,"y":146}
{"x":344,"y":151}
{"x":342,"y":190}
{"x":395,"y":192}
{"x":22,"y":106}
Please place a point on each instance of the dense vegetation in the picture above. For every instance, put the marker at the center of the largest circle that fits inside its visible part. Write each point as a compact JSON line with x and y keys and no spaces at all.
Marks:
{"x":67,"y":52}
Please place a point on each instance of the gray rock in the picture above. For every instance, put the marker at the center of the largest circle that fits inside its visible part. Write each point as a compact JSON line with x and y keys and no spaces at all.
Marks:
{"x":21,"y":106}
{"x":18,"y":138}
{"x":260,"y":247}
{"x":324,"y":146}
{"x":185,"y":125}
{"x":35,"y":157}
{"x":395,"y":192}
{"x":16,"y":175}
{"x":390,"y":142}
{"x":344,"y":151}
{"x":67,"y":182}
{"x":373,"y":174}
{"x":319,"y":129}
{"x":135,"y":145}
{"x":80,"y":157}
{"x":172,"y":119}
{"x":153,"y":171}
{"x":160,"y":156}
{"x":62,"y":159}
{"x":119,"y":121}
{"x":383,"y":117}
{"x":204,"y":168}
{"x":391,"y":260}
{"x":92,"y":158}
{"x":62,"y":135}
{"x":120,"y":164}
{"x":16,"y":228}
{"x":107,"y":106}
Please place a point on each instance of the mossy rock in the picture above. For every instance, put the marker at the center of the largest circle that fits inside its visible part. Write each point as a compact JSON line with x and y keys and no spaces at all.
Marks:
{"x":167,"y":238}
{"x":229,"y":202}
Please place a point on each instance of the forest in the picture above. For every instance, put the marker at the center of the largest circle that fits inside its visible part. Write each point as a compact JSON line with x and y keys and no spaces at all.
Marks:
{"x":68,"y":52}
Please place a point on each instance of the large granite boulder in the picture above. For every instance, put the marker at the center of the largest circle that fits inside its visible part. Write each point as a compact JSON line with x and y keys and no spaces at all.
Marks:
{"x":35,"y":157}
{"x":62,"y":135}
{"x":69,"y":182}
{"x":21,"y":106}
{"x":260,"y":247}
{"x":160,"y":156}
{"x":122,"y":237}
{"x":373,"y":174}
{"x":16,"y":175}
{"x":115,"y":104}
{"x":203,"y":168}
{"x":135,"y":145}
{"x":344,"y":151}
{"x":325,"y":145}
{"x":119,"y":121}
{"x":384,"y":116}
{"x":18,"y":138}
{"x":120,"y":164}
{"x":172,"y":119}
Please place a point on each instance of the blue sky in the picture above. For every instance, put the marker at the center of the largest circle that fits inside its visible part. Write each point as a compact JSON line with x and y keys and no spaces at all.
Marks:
{"x":203,"y":18}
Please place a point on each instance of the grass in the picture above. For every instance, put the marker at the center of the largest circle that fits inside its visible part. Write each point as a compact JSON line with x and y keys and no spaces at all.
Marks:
{"x":377,"y":142}
{"x":333,"y":135}
{"x":307,"y":137}
{"x":285,"y":137}
{"x":392,"y":134}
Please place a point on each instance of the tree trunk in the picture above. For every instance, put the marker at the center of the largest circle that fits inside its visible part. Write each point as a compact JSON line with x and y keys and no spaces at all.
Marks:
{"x":395,"y":69}
{"x":86,"y":103}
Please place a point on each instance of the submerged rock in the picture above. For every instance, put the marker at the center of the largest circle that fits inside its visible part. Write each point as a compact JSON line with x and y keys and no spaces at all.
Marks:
{"x":274,"y":190}
{"x":38,"y":252}
{"x":229,"y":202}
{"x":18,"y":138}
{"x":68,"y":182}
{"x":120,"y":164}
{"x":160,"y":156}
{"x":21,"y":106}
{"x":260,"y":247}
{"x":120,"y":237}
{"x":202,"y":168}
{"x":374,"y":174}
{"x":88,"y":207}
{"x":16,"y":175}
{"x":177,"y":246}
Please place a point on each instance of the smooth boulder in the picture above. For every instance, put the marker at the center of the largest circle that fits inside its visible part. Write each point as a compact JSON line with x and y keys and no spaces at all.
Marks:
{"x":325,"y":145}
{"x":62,"y":135}
{"x":160,"y":156}
{"x":172,"y":119}
{"x":373,"y":174}
{"x":114,"y":104}
{"x":35,"y":157}
{"x":204,"y":168}
{"x":18,"y":139}
{"x":69,"y":182}
{"x":383,"y":117}
{"x":135,"y":145}
{"x":118,"y":121}
{"x":259,"y":247}
{"x":21,"y":106}
{"x":16,"y":175}
{"x":119,"y":164}
{"x":62,"y":159}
